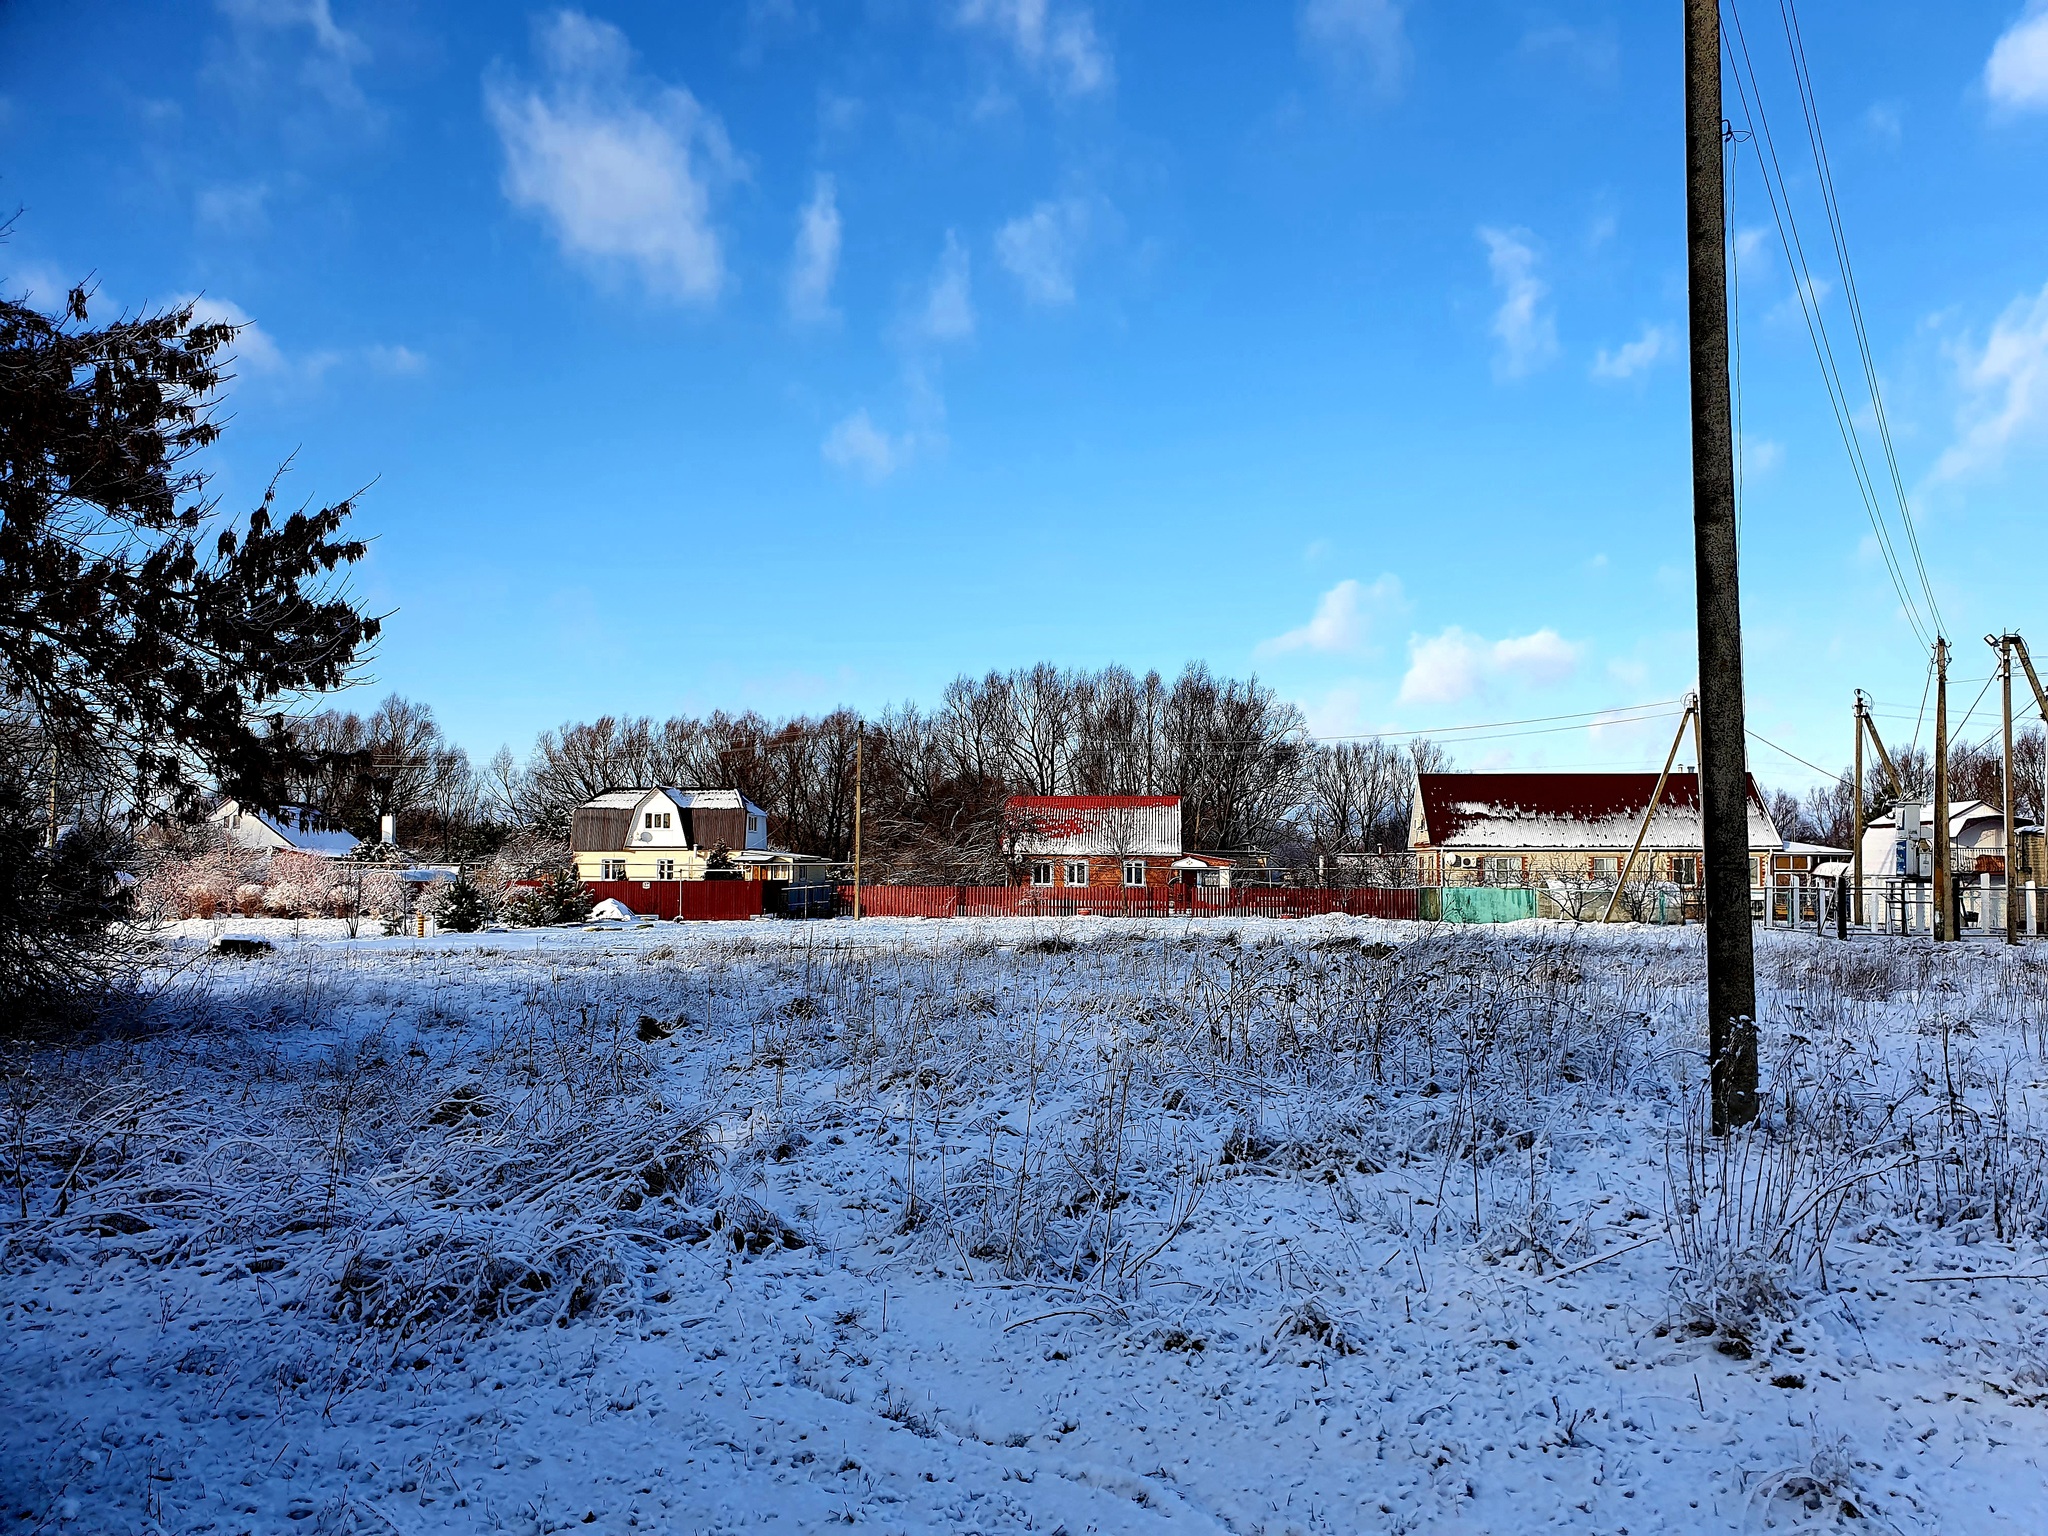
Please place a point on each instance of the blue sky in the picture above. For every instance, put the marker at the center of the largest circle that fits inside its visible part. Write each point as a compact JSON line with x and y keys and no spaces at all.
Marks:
{"x":776,"y":355}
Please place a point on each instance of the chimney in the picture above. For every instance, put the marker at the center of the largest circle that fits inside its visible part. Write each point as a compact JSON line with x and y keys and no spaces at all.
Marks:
{"x":388,"y":829}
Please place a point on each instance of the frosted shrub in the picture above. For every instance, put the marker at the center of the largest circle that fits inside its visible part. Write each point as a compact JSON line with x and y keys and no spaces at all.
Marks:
{"x":249,"y":898}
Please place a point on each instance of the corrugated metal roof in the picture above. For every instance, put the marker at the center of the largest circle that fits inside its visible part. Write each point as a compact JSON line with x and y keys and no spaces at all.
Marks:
{"x":1098,"y":824}
{"x":1088,"y":802}
{"x":1567,"y":811}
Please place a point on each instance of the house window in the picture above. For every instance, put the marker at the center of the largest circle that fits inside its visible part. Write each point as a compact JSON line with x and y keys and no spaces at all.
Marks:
{"x":1685,"y":869}
{"x":1505,"y":870}
{"x":657,"y":819}
{"x":1605,"y":866}
{"x":613,"y":869}
{"x":1041,"y":872}
{"x":1134,"y":871}
{"x":1077,"y":872}
{"x":664,"y":869}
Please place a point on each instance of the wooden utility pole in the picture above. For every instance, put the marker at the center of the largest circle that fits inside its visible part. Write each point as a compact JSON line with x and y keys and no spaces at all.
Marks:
{"x":1944,"y":924}
{"x":1856,"y":818}
{"x":859,"y":740}
{"x":2012,"y":841}
{"x":1650,"y":810}
{"x":1724,"y":767}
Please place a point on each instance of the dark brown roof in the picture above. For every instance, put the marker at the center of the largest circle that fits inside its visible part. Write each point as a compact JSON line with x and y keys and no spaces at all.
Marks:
{"x":1562,"y":810}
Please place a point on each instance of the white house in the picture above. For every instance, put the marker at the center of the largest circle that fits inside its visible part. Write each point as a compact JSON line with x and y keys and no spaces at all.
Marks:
{"x":1976,"y":834}
{"x":293,"y":828}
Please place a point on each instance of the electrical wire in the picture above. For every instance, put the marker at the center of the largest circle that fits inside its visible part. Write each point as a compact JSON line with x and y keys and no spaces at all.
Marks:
{"x":1802,"y":74}
{"x":1816,"y":767}
{"x":1762,"y":143}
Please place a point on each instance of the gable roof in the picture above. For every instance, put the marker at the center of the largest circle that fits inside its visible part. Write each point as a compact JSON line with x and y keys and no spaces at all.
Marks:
{"x":1960,"y":814}
{"x":301,"y":828}
{"x":1085,"y":824}
{"x":1567,"y":811}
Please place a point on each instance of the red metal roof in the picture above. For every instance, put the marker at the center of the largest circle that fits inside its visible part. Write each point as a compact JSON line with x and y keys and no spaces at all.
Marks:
{"x":1452,"y":802}
{"x":1087,"y":802}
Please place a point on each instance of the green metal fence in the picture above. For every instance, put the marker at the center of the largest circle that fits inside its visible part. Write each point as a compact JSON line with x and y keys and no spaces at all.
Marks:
{"x":1476,"y":904}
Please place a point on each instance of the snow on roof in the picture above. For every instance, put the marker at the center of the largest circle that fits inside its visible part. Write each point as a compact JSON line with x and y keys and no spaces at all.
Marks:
{"x":1960,"y":814}
{"x":685,"y":799}
{"x":1084,"y":824}
{"x":1565,"y":811}
{"x":710,"y":800}
{"x":303,"y":828}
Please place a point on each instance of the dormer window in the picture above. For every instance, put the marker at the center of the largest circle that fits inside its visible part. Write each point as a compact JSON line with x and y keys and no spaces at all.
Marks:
{"x":657,"y":820}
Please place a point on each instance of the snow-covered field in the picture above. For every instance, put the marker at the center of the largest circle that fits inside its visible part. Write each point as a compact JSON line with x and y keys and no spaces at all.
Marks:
{"x":1333,"y":1225}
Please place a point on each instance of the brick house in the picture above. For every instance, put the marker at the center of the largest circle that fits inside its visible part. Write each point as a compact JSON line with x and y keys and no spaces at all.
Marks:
{"x":1123,"y":841}
{"x":1523,"y":829}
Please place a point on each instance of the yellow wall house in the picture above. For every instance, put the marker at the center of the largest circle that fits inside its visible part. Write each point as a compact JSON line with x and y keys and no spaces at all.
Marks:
{"x":672,"y":834}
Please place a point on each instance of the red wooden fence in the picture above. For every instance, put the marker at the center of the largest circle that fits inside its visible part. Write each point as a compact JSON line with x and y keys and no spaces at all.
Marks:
{"x":1117,"y":901}
{"x":691,"y":900}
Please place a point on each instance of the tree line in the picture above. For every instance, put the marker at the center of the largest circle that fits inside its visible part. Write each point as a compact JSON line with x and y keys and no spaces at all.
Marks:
{"x":933,"y":781}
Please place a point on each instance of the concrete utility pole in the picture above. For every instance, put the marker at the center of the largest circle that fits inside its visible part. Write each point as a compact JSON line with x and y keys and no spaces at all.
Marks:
{"x":1724,"y":768}
{"x":2012,"y":841}
{"x":1856,"y":817}
{"x":859,"y":740}
{"x":1944,"y":924}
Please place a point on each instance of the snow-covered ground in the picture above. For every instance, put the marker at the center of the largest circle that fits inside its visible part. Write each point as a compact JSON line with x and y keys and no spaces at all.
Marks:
{"x":1333,"y":1225}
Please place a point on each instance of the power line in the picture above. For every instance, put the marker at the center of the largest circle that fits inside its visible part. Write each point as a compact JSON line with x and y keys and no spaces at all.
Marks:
{"x":1750,"y":93}
{"x":1802,"y":74}
{"x":1832,"y":773}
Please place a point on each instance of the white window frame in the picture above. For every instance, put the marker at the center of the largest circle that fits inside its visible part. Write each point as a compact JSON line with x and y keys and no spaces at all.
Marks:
{"x":1691,"y":863}
{"x":611,"y":869}
{"x":1068,"y":868}
{"x":1041,"y":871}
{"x":1606,"y":866}
{"x":1131,"y":867}
{"x":664,"y":869}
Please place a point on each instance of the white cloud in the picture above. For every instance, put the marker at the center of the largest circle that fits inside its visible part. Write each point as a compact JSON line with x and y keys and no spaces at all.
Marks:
{"x":253,"y":346}
{"x":330,"y":68}
{"x":399,"y":361}
{"x":2007,"y":381}
{"x":1358,"y":34}
{"x":948,"y":313}
{"x":234,"y":209}
{"x":1061,"y":46}
{"x":859,"y":447}
{"x":1524,"y":328}
{"x":1040,"y":248}
{"x":621,"y":169}
{"x":1454,"y":666}
{"x":1343,"y":619}
{"x":816,"y":261}
{"x":1631,"y":358}
{"x":2016,"y":74}
{"x":1760,"y":455}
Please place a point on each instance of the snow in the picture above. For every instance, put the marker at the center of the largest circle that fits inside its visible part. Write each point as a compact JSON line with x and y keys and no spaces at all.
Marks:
{"x":1196,"y":1247}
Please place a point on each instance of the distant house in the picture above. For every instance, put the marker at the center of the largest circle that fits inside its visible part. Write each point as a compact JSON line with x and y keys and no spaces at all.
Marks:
{"x":1529,"y":828}
{"x":1976,"y":834}
{"x":1130,"y":841}
{"x":291,"y":828}
{"x":681,"y":834}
